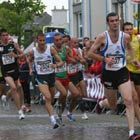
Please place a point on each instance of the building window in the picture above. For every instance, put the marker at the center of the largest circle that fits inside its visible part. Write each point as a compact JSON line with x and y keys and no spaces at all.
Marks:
{"x":80,"y":26}
{"x":77,"y":1}
{"x":115,"y":7}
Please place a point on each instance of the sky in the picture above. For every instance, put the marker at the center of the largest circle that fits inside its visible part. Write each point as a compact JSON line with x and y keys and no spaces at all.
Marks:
{"x":51,"y":3}
{"x":58,"y":3}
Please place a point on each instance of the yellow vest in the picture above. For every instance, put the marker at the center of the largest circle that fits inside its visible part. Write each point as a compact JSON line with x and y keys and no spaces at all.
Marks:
{"x":135,"y":43}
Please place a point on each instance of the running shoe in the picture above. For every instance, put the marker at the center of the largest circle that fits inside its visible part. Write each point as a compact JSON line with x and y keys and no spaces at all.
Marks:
{"x":60,"y":121}
{"x":135,"y":137}
{"x":70,"y":117}
{"x":55,"y":126}
{"x":4,"y":100}
{"x":54,"y":123}
{"x":84,"y":116}
{"x":21,"y":115}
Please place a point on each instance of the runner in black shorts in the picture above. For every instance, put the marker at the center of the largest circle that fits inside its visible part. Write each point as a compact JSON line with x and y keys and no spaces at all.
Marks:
{"x":9,"y":53}
{"x":112,"y":79}
{"x":113,"y":44}
{"x":134,"y":69}
{"x":43,"y":58}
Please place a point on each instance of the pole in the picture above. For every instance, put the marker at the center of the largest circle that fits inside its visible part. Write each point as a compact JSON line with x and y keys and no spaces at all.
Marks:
{"x":138,"y":26}
{"x":122,"y":16}
{"x":121,"y":2}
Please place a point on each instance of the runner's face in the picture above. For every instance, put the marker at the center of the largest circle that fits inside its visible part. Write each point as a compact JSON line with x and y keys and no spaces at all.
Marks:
{"x":128,"y":29}
{"x":5,"y":37}
{"x":87,"y":44}
{"x":66,"y":41}
{"x":58,"y":41}
{"x":75,"y":43}
{"x":41,"y":41}
{"x":113,"y":23}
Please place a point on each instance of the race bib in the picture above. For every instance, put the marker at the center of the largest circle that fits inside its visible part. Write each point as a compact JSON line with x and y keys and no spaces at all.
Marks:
{"x":117,"y":65}
{"x":44,"y":66}
{"x":72,"y":68}
{"x":7,"y":59}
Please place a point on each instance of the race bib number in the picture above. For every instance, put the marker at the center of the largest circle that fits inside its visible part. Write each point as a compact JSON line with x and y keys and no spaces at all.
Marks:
{"x":117,"y":64}
{"x":72,"y":68}
{"x":44,"y":66}
{"x":7,"y":59}
{"x":61,"y":69}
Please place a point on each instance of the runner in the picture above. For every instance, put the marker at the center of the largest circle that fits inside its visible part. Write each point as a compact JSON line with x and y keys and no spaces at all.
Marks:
{"x":75,"y":73}
{"x":63,"y":83}
{"x":9,"y":53}
{"x":134,"y":69}
{"x":43,"y":58}
{"x":25,"y":83}
{"x":82,"y":65}
{"x":115,"y":75}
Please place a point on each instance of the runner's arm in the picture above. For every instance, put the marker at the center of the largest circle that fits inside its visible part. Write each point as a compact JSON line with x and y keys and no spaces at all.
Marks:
{"x":57,"y":58}
{"x":30,"y":58}
{"x":70,"y":56}
{"x":19,"y":51}
{"x":130,"y":50}
{"x":97,"y":45}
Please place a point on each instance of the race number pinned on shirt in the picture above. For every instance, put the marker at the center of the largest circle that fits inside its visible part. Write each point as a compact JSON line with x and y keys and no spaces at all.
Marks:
{"x":118,"y":63}
{"x":72,"y":68}
{"x":44,"y":66}
{"x":7,"y":59}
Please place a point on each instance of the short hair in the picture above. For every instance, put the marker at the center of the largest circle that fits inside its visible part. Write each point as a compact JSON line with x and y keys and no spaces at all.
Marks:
{"x":126,"y":24}
{"x":86,"y":38}
{"x":40,"y":33}
{"x":2,"y":30}
{"x":112,"y":14}
{"x":57,"y":34}
{"x":67,"y":36}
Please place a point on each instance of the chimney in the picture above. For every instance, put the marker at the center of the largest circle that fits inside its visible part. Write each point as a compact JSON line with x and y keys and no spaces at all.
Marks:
{"x":54,"y":7}
{"x":63,"y":7}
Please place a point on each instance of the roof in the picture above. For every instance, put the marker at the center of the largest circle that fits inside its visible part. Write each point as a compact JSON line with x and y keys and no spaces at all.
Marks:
{"x":44,"y":19}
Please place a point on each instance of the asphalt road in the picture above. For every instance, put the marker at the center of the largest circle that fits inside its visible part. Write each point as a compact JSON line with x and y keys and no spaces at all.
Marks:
{"x":36,"y":126}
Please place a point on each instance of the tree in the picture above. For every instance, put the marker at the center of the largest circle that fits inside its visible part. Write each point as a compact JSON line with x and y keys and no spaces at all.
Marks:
{"x":14,"y":16}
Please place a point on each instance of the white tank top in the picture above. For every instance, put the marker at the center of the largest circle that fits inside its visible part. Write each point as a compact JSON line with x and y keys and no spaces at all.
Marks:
{"x":43,"y":61}
{"x":115,"y":50}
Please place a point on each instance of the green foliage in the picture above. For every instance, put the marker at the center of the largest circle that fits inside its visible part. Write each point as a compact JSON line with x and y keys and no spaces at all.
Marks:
{"x":13,"y":16}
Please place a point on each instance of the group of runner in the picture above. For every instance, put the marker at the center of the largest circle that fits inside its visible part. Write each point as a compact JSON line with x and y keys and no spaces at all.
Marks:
{"x":60,"y":67}
{"x":55,"y":67}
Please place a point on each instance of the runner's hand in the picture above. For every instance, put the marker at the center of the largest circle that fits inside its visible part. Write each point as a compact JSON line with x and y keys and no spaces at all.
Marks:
{"x":110,"y":60}
{"x":30,"y":72}
{"x":53,"y":66}
{"x":136,"y":63}
{"x":13,"y":54}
